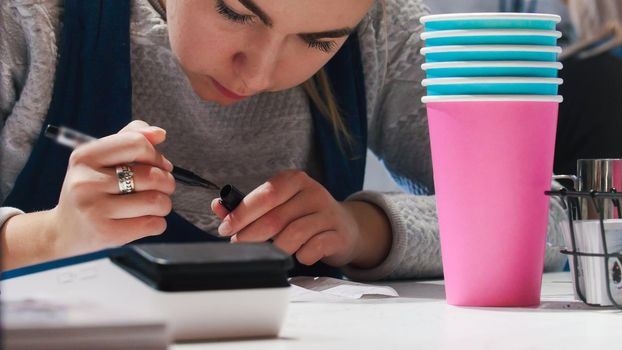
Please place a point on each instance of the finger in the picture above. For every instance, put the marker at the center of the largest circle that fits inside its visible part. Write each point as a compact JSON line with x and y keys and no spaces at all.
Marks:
{"x":123,"y":148}
{"x":264,"y":198}
{"x":146,"y":178}
{"x":277,"y":219}
{"x":123,"y":231}
{"x":299,"y":232}
{"x":135,"y":125}
{"x":154,"y":134}
{"x":149,"y":203}
{"x":219,"y":209}
{"x":319,"y":246}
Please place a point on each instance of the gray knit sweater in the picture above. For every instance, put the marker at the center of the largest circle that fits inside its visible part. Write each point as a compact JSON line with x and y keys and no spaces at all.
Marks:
{"x":264,"y":134}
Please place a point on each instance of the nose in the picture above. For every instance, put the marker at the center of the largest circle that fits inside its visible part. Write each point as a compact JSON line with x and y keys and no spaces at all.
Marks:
{"x":256,"y":64}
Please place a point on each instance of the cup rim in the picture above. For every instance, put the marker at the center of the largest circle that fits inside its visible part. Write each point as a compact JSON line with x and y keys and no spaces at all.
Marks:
{"x":492,"y":64}
{"x":489,"y":32}
{"x":492,"y":98}
{"x":491,"y":48}
{"x":491,"y":80}
{"x":491,"y":15}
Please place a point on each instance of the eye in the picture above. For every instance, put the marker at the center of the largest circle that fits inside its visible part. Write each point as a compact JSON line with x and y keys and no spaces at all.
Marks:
{"x":324,"y":46}
{"x":231,"y":15}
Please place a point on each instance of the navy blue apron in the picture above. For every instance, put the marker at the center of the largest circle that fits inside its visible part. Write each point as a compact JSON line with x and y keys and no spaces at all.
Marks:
{"x":92,"y":93}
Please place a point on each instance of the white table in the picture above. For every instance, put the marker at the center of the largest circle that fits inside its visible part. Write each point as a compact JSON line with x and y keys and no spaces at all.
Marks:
{"x":420,"y":319}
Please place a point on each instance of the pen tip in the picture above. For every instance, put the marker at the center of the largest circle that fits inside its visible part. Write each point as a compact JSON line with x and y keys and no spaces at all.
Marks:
{"x":51,"y":131}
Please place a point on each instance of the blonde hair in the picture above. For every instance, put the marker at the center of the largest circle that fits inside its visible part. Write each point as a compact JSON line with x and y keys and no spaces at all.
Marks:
{"x":591,"y":17}
{"x":594,"y":21}
{"x":319,"y":90}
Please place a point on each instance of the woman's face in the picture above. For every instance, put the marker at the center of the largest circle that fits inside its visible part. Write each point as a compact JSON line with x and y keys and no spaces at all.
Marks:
{"x":232,"y":49}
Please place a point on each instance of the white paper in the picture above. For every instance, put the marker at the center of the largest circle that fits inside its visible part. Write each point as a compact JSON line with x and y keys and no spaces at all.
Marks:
{"x":52,"y":323}
{"x":325,"y":289}
{"x":593,"y":274}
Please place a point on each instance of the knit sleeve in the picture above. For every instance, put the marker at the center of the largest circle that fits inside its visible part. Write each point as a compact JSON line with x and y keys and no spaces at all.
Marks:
{"x":22,"y":22}
{"x":397,"y":120}
{"x":13,"y":60}
{"x":13,"y":68}
{"x":398,"y":135}
{"x":29,"y":32}
{"x":7,"y":212}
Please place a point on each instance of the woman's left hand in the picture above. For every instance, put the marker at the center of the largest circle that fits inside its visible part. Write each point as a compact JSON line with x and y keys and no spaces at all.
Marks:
{"x":301,"y":217}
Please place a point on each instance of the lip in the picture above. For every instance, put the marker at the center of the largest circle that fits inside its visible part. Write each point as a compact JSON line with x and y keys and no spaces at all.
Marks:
{"x":226,"y":92}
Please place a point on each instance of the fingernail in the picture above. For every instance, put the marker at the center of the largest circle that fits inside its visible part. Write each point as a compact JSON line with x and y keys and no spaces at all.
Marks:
{"x":169,"y":164}
{"x":225,"y":228}
{"x":156,"y":129}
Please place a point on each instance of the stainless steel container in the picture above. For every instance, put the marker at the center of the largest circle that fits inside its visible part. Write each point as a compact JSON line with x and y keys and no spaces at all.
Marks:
{"x":601,"y":175}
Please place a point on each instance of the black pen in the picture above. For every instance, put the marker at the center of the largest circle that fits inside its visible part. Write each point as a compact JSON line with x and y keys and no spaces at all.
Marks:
{"x":229,"y":195}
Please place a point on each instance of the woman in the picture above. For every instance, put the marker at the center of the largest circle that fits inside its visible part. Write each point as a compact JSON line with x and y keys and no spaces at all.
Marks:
{"x":239,"y":89}
{"x":589,"y":119}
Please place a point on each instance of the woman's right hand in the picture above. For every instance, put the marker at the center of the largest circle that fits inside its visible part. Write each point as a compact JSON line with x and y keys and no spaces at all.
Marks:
{"x":92,"y":214}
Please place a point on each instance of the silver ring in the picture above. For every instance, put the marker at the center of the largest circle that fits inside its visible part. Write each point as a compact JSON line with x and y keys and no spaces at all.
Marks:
{"x":125,"y":176}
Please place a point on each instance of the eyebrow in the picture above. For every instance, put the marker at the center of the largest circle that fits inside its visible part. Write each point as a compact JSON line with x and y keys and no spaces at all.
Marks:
{"x":337,"y":33}
{"x":251,"y":6}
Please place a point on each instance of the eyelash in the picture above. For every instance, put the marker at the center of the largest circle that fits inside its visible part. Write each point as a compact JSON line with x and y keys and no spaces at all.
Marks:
{"x":228,"y":13}
{"x":324,"y":46}
{"x":231,"y":15}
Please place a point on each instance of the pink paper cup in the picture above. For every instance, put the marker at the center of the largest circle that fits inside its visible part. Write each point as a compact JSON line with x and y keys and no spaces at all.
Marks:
{"x":493,"y":160}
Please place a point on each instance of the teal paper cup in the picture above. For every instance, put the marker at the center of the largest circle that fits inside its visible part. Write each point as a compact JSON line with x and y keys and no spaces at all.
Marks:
{"x":492,"y":98}
{"x":491,"y":37}
{"x":492,"y":20}
{"x":492,"y":86}
{"x":492,"y":69}
{"x":491,"y":53}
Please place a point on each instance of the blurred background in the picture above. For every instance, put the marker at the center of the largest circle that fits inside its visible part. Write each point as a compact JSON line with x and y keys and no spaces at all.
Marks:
{"x":590,"y":119}
{"x":543,"y":6}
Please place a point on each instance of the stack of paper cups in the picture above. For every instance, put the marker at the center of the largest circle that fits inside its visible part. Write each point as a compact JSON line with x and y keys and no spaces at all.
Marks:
{"x":492,"y":107}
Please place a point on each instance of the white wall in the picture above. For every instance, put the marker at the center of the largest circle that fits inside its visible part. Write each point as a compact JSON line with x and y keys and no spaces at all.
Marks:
{"x":377,"y":178}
